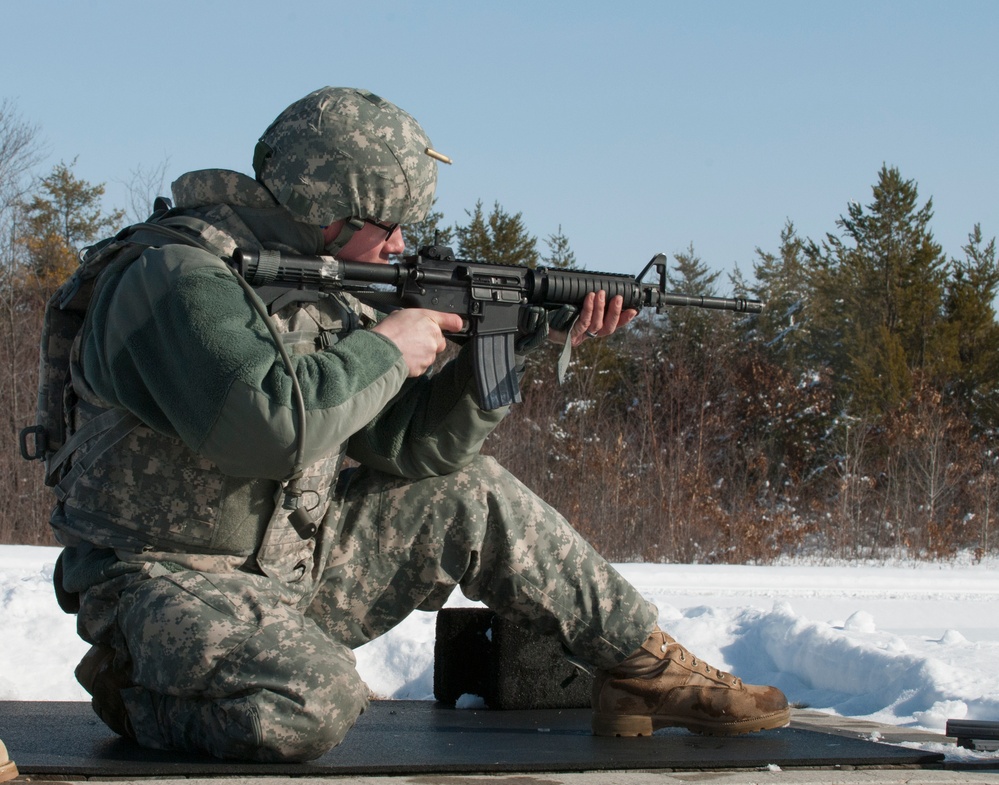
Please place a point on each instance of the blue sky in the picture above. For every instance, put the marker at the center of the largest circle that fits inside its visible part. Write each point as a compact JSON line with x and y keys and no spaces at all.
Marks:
{"x":638,"y":127}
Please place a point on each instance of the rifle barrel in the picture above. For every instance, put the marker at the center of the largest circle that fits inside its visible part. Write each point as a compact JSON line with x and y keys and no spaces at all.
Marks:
{"x":739,"y":304}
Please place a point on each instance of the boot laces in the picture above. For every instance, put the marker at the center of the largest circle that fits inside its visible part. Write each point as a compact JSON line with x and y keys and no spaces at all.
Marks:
{"x":683,"y":654}
{"x":643,"y":665}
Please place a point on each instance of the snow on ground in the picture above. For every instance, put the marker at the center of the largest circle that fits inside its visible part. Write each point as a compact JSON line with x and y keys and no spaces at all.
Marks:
{"x":909,"y":644}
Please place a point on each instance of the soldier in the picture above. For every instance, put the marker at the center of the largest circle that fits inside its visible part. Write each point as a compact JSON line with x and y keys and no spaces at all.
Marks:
{"x":222,"y":565}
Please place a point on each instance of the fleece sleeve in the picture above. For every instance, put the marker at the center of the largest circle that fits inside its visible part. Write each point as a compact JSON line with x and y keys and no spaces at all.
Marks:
{"x":175,"y":339}
{"x":433,"y":427}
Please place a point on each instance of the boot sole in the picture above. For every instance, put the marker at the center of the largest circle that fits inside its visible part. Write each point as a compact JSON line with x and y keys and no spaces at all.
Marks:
{"x":645,"y":725}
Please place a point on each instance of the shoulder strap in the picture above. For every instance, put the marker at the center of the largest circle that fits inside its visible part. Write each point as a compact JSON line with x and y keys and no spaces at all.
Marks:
{"x":179,"y":228}
{"x":111,"y":426}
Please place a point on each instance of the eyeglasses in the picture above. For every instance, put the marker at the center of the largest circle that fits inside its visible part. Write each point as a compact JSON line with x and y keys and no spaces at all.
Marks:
{"x":389,"y":229}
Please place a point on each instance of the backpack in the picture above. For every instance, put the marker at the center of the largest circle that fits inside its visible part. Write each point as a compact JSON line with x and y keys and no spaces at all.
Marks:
{"x":65,"y":312}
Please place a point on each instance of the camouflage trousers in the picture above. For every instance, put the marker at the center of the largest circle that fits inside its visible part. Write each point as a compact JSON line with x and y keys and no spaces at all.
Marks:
{"x":239,"y":665}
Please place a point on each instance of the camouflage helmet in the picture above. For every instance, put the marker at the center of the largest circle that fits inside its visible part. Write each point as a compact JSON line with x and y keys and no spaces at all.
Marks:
{"x":341,"y":153}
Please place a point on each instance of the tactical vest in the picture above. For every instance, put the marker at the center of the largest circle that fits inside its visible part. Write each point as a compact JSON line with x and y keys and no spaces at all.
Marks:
{"x":120,"y":484}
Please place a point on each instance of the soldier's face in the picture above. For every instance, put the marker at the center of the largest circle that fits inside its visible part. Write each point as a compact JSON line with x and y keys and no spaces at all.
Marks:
{"x":370,"y":243}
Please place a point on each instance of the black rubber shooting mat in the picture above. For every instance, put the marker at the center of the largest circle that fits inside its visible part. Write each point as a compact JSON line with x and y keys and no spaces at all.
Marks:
{"x":408,"y":737}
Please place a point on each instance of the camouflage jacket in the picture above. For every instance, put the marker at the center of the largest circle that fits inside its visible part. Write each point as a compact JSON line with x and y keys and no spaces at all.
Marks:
{"x":172,"y":337}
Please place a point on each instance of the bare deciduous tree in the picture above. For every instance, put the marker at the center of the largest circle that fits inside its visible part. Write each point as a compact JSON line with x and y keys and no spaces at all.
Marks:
{"x":143,"y":186}
{"x":21,"y":487}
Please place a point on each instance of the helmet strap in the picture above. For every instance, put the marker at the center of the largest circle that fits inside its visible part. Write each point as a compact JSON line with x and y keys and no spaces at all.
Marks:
{"x":350,"y":226}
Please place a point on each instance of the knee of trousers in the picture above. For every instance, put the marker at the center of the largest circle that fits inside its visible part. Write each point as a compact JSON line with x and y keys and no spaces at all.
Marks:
{"x":305,"y":700}
{"x":295,"y":733}
{"x":296,"y":692}
{"x":253,"y":679}
{"x":264,"y":702}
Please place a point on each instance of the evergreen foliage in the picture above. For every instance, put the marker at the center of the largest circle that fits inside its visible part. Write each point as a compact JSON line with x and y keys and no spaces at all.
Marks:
{"x":63,"y":217}
{"x":877,"y":297}
{"x":971,"y":332}
{"x":501,"y":238}
{"x":560,"y":255}
{"x":692,"y":332}
{"x":784,"y":285}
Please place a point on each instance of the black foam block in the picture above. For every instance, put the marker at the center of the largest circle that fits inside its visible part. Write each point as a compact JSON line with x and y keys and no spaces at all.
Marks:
{"x":478,"y":653}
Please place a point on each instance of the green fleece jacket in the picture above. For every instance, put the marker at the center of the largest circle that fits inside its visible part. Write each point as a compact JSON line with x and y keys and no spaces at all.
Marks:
{"x":173,"y":338}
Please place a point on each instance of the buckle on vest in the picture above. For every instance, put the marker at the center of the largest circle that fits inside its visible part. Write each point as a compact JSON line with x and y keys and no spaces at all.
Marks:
{"x":41,"y":442}
{"x":301,"y":516}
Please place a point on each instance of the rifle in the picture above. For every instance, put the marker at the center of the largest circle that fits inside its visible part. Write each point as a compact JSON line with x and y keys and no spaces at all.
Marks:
{"x":489,"y":296}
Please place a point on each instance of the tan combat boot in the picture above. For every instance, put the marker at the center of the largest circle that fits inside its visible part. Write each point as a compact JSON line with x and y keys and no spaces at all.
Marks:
{"x":663,"y":685}
{"x":7,"y":768}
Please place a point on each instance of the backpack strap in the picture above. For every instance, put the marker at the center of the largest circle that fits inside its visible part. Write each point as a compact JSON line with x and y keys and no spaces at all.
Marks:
{"x":181,"y":229}
{"x":111,"y":426}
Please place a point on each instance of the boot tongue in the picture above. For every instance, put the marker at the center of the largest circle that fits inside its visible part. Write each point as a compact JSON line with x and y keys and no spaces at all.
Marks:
{"x":649,"y":659}
{"x":657,"y":644}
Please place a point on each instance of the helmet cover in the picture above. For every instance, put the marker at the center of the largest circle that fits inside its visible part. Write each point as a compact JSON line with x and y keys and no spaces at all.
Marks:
{"x":345,"y":153}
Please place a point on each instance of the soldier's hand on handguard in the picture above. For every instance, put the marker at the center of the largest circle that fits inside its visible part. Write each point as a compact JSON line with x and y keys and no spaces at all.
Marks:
{"x":598,"y":318}
{"x":419,"y":335}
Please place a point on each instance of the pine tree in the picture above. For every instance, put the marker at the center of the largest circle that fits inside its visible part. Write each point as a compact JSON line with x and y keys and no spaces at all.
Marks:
{"x":512,"y":244}
{"x":60,"y":220}
{"x":972,"y":331}
{"x":691,"y":328}
{"x":560,"y":255}
{"x":784,"y":287}
{"x":501,"y":239}
{"x":473,"y":239}
{"x":690,"y":275}
{"x":878,"y":295}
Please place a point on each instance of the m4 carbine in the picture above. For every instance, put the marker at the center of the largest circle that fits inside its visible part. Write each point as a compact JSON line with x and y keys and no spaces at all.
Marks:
{"x":488,"y":296}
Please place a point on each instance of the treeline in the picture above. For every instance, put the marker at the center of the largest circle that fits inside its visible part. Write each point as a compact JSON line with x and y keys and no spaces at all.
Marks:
{"x":853,"y":418}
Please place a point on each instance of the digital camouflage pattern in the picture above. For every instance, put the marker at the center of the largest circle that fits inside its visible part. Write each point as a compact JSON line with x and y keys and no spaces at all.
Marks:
{"x":148,"y":490}
{"x":239,"y":665}
{"x":344,"y":153}
{"x":208,"y":187}
{"x":406,"y":544}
